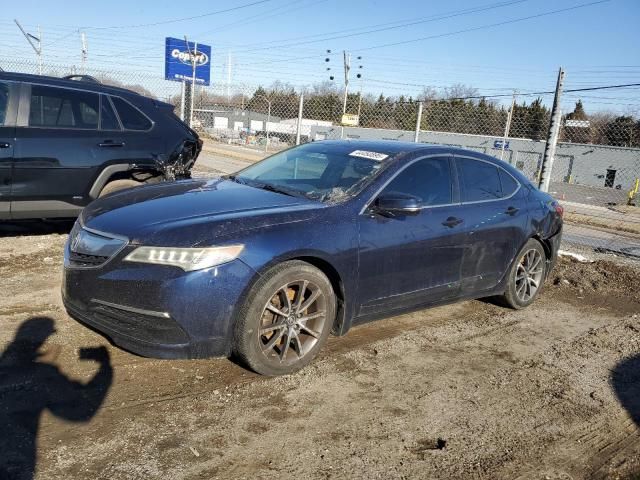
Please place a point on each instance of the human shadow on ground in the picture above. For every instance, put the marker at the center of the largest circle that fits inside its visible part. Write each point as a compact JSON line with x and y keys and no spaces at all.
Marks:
{"x":29,"y":386}
{"x":625,"y":380}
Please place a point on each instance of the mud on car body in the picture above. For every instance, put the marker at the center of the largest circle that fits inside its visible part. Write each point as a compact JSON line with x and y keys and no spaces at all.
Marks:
{"x":265,"y":263}
{"x":65,"y":142}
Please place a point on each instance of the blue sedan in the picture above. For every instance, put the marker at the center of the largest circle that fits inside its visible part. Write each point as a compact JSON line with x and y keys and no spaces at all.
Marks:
{"x":266,"y":263}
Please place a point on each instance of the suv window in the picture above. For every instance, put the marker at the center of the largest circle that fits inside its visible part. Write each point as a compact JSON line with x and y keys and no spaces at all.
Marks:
{"x":108,"y":119}
{"x":63,"y":108}
{"x":131,"y":117}
{"x":428,"y":179}
{"x":4,"y":102}
{"x":479,"y":180}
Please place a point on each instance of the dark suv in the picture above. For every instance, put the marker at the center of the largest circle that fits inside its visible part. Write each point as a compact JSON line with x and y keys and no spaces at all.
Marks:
{"x":67,"y":141}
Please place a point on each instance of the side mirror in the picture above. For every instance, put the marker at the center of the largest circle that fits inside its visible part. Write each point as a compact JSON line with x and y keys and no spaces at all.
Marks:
{"x":397,"y":204}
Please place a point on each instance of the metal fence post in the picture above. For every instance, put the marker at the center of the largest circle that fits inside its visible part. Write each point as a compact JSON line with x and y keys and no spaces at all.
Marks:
{"x":507,"y":125}
{"x":299,"y":126}
{"x":416,"y":137}
{"x":552,"y":137}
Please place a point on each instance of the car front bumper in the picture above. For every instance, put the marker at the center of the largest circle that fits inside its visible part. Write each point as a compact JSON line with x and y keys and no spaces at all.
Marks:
{"x":158,"y":311}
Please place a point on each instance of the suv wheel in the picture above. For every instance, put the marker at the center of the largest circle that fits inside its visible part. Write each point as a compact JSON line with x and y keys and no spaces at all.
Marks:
{"x":116,"y":185}
{"x":285,"y":320}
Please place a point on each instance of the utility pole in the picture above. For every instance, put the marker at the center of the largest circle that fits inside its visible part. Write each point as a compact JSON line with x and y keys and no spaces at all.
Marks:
{"x":85,"y":52}
{"x":507,"y":125}
{"x":347,"y":67}
{"x":552,"y":137}
{"x":30,"y":38}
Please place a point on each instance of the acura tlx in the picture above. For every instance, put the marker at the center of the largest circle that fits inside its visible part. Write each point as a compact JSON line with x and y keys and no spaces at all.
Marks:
{"x":264,"y":264}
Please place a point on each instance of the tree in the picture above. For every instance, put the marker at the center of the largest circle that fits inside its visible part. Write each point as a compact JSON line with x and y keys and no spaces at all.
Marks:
{"x":576,"y":134}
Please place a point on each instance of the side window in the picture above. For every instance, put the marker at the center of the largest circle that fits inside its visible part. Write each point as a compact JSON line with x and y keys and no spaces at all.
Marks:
{"x":509,"y":185}
{"x":479,"y":180}
{"x":131,"y":117}
{"x":4,"y":102}
{"x":62,"y":108}
{"x":428,"y":179}
{"x":108,"y":120}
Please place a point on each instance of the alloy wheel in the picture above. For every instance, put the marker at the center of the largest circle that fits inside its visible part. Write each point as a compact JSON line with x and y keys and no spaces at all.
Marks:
{"x":529,"y":275}
{"x":292,"y":322}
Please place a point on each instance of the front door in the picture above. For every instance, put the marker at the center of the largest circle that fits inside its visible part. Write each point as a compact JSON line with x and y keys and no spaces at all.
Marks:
{"x":414,"y":259}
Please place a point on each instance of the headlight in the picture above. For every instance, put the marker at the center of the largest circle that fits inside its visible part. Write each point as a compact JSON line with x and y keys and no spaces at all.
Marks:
{"x":188,"y":259}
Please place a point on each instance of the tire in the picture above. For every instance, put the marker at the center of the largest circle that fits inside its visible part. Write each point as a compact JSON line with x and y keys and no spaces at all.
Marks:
{"x":526,"y":276}
{"x":277,"y":331}
{"x":116,"y":185}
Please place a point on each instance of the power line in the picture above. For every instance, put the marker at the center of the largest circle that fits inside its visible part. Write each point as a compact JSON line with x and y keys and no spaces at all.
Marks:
{"x":386,"y":26}
{"x":175,"y":20}
{"x":483,"y":27}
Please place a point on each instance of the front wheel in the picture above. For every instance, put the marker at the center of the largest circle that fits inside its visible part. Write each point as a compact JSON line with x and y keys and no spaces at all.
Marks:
{"x":285,"y":320}
{"x":526,"y":275}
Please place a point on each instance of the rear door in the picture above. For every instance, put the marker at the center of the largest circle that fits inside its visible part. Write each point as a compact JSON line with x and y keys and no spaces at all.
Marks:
{"x":496,"y":217}
{"x":60,"y":149}
{"x":8,"y":110}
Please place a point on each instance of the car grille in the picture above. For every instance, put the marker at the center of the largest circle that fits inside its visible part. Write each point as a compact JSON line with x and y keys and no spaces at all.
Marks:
{"x":82,"y":260}
{"x":91,"y":249}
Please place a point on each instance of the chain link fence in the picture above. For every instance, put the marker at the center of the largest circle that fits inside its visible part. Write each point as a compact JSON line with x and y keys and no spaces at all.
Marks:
{"x":595,"y":170}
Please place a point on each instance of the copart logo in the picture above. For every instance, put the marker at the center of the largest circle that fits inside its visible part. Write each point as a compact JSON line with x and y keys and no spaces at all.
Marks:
{"x":201,"y":58}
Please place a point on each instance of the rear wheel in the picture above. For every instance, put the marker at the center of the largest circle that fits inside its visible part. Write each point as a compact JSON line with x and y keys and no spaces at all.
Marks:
{"x":526,"y":276}
{"x":116,"y":185}
{"x":286,"y":319}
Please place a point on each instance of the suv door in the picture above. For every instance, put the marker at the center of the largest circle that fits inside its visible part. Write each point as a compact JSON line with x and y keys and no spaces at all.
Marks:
{"x":496,"y":212}
{"x":8,"y":111}
{"x":64,"y":139}
{"x":410,"y":260}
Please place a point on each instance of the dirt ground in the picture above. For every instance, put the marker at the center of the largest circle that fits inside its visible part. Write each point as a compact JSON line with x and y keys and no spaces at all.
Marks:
{"x":471,"y":390}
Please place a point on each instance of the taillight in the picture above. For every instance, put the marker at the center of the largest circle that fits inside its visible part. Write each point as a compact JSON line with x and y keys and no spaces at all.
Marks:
{"x":558,"y":208}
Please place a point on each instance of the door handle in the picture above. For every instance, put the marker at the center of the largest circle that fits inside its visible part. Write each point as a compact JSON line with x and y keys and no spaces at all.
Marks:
{"x":110,"y":143}
{"x":4,"y":145}
{"x":512,"y":211}
{"x":452,"y":222}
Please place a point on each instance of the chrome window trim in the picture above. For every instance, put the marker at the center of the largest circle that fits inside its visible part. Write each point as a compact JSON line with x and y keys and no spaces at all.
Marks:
{"x":26,"y":101}
{"x":452,"y":156}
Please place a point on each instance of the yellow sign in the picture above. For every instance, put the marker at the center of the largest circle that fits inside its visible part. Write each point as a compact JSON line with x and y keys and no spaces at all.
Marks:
{"x":350,"y":120}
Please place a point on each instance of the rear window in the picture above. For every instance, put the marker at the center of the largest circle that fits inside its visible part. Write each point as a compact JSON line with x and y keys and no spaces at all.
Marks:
{"x":131,"y":117}
{"x":63,"y":108}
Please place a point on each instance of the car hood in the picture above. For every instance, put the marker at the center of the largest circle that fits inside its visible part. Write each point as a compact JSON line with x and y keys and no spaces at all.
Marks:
{"x":192,"y":212}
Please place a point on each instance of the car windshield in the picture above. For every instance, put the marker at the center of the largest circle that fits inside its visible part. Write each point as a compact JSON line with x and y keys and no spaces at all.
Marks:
{"x":320,"y":171}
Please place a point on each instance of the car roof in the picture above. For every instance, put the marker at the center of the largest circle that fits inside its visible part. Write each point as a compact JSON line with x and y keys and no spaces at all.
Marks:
{"x":61,"y":82}
{"x":394,"y":148}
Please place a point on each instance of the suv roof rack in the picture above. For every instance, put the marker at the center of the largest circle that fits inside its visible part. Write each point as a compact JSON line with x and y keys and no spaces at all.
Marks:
{"x":81,"y":78}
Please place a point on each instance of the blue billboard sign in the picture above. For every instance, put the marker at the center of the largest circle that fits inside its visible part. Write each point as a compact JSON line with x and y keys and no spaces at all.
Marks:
{"x":178,"y":61}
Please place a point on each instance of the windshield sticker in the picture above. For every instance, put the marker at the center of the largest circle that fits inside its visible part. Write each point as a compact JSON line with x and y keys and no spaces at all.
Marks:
{"x":378,"y":157}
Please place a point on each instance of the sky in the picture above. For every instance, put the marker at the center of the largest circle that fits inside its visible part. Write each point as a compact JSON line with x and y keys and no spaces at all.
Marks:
{"x":491,"y":45}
